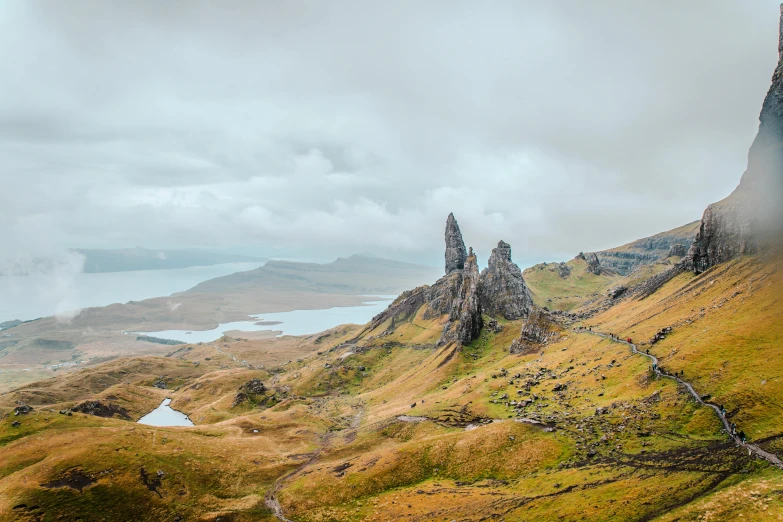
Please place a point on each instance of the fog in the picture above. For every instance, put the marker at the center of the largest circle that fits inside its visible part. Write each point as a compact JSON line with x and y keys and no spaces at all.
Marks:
{"x":315,"y":129}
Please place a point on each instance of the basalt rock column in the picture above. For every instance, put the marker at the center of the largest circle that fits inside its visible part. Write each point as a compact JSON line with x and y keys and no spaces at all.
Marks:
{"x":455,"y":246}
{"x":465,"y":319}
{"x":502,"y":290}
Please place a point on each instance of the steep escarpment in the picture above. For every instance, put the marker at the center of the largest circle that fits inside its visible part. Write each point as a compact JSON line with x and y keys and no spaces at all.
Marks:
{"x":625,"y":259}
{"x":747,"y":220}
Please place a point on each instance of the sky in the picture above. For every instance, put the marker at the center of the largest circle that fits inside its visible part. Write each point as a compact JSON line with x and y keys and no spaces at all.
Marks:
{"x":316,"y":129}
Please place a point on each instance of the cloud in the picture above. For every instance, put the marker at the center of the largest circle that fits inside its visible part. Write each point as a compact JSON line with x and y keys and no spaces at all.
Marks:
{"x":335,"y":128}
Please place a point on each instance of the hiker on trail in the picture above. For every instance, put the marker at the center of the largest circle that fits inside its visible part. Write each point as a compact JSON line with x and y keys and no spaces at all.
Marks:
{"x":742,"y":436}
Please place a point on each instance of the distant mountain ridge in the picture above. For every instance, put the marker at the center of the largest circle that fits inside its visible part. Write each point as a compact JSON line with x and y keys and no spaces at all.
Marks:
{"x":353,"y":275}
{"x":130,"y":259}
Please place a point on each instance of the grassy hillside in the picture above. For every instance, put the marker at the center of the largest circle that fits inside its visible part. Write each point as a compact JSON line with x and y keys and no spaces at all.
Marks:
{"x":565,"y":289}
{"x":388,"y":427}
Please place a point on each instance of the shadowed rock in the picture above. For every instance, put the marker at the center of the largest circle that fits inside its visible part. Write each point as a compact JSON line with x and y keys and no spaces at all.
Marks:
{"x":539,"y":330}
{"x":465,"y":319}
{"x":455,"y":246}
{"x":502,"y":289}
{"x":593,"y":264}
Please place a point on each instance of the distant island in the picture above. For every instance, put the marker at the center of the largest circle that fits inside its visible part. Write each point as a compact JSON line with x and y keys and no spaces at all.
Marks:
{"x":130,"y":259}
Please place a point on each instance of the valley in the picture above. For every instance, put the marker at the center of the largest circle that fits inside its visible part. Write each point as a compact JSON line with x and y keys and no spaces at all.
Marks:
{"x":637,"y":383}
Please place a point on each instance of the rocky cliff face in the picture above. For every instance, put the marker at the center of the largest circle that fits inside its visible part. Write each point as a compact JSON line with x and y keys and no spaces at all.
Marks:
{"x":648,"y":250}
{"x":463,"y":294}
{"x":455,"y":246}
{"x":465,"y":319}
{"x":503,"y":291}
{"x":747,"y":220}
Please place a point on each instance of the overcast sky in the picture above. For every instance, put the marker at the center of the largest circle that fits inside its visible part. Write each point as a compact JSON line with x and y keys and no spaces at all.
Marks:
{"x":327,"y":128}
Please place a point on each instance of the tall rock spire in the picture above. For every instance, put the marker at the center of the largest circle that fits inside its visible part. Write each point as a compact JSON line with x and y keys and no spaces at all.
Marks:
{"x":751,"y":216}
{"x":456,"y":254}
{"x":502,"y":290}
{"x":465,"y":317}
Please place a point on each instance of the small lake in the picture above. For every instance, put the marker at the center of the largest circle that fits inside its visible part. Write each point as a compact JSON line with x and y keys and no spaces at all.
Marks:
{"x":296,"y":322}
{"x":164,"y":415}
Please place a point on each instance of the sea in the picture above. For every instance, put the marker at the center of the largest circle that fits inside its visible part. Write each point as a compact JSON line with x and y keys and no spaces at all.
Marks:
{"x":41,"y":295}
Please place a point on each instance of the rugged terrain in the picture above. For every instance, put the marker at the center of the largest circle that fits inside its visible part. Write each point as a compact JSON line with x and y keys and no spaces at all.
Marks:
{"x":570,"y":391}
{"x":37,"y":349}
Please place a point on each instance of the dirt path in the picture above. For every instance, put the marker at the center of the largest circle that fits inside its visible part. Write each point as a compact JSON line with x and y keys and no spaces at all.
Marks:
{"x":752,"y":448}
{"x":271,"y":497}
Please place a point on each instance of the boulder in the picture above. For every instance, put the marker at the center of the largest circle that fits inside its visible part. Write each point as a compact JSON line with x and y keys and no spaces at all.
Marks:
{"x":23,"y":409}
{"x":539,"y":330}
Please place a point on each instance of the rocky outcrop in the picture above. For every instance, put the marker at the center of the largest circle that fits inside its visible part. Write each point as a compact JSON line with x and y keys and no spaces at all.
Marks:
{"x":539,"y":330}
{"x":465,"y":319}
{"x":593,"y":264}
{"x":502,"y":289}
{"x":100,"y":409}
{"x":750,"y":218}
{"x":648,"y":250}
{"x":677,"y":250}
{"x":456,"y":254}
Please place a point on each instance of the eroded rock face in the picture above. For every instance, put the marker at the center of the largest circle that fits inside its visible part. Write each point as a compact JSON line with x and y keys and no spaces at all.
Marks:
{"x":465,"y":319}
{"x":455,"y":246}
{"x":593,"y":264}
{"x":750,"y":218}
{"x":539,"y":330}
{"x":502,"y":289}
{"x":678,"y":250}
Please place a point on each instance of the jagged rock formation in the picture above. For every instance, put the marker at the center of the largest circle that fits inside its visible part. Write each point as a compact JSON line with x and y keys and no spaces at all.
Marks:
{"x":749,"y":218}
{"x":503,"y":291}
{"x":465,"y":319}
{"x":463,"y":294}
{"x":539,"y":330}
{"x":593,"y":264}
{"x":456,"y":254}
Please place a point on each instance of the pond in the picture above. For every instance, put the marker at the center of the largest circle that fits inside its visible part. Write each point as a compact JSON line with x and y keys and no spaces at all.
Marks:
{"x":164,"y":415}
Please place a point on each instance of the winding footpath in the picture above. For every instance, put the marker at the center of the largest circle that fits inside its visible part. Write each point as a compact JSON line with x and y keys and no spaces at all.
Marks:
{"x":752,"y":448}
